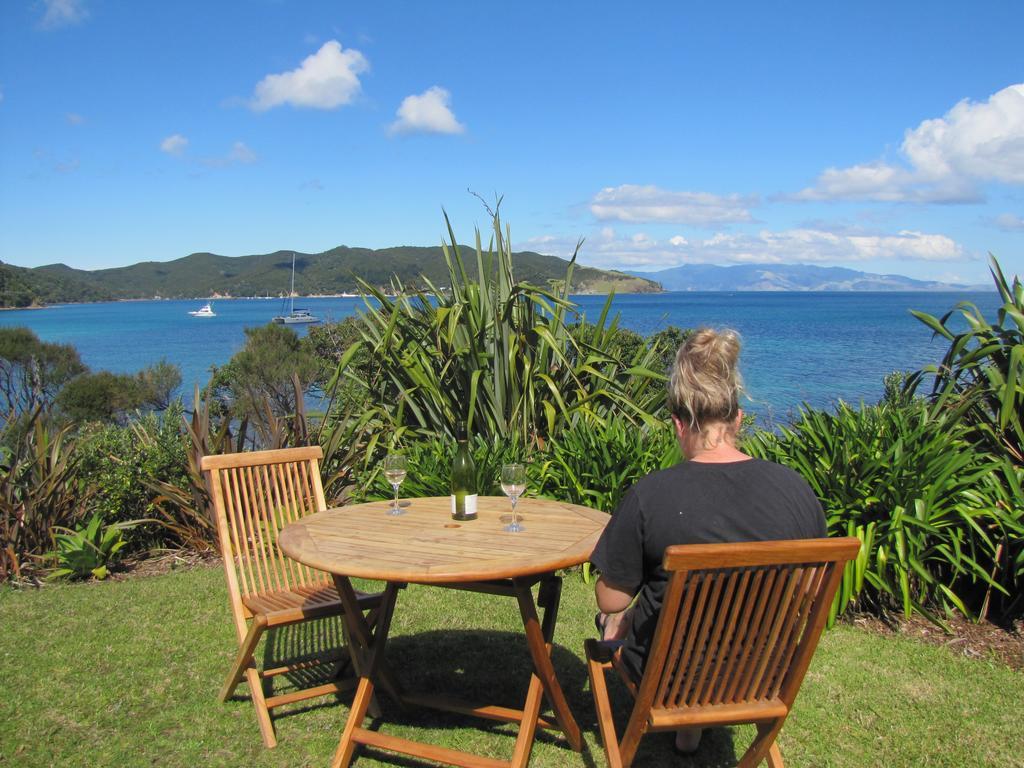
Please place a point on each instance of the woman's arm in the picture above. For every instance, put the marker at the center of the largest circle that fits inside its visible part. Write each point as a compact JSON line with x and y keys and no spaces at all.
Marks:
{"x":613,"y":603}
{"x":611,"y":599}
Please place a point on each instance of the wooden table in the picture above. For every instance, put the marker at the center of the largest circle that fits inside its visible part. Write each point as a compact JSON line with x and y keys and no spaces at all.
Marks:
{"x":426,"y":546}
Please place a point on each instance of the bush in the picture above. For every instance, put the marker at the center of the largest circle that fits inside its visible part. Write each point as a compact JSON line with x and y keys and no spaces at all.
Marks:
{"x":499,"y":356}
{"x":595,"y":464}
{"x":40,"y":488}
{"x":117,"y":461}
{"x":981,"y":377}
{"x":927,"y":506}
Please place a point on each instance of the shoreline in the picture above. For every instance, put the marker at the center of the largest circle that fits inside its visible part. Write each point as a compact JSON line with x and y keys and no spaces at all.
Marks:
{"x":914,"y":291}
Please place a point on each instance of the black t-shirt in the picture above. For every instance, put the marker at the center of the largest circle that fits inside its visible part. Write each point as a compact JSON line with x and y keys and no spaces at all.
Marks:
{"x":696,"y":503}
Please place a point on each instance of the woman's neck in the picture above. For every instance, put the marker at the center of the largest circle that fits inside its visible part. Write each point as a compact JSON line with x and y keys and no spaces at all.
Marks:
{"x":716,"y":444}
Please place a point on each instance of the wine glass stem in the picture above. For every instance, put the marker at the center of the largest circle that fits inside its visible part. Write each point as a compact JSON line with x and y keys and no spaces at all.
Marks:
{"x":514,"y":519}
{"x":395,"y":486}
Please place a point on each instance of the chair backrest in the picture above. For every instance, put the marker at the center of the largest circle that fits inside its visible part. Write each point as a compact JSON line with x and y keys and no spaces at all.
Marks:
{"x":255,"y":494}
{"x":740,"y":623}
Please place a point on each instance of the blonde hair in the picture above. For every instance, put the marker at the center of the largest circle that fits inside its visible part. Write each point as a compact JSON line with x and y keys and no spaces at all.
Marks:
{"x":704,"y":386}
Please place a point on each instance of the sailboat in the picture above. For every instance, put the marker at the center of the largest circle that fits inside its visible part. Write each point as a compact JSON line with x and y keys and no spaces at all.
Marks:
{"x":295,"y":316}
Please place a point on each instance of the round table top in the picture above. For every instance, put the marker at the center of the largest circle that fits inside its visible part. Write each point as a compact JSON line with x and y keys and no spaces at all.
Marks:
{"x":426,"y":546}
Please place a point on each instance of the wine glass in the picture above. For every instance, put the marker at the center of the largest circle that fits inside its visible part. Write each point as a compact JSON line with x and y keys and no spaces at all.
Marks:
{"x":394,"y":470}
{"x":513,"y":483}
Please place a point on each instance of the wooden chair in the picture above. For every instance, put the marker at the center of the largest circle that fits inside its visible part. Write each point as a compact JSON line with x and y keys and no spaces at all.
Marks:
{"x":737,"y":630}
{"x":253,"y":495}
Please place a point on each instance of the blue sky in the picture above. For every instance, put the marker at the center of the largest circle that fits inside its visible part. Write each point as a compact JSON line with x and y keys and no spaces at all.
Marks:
{"x":887,"y":137}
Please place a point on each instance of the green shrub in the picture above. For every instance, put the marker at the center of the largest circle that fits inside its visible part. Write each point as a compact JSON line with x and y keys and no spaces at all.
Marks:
{"x":981,"y":376}
{"x":117,"y":461}
{"x":87,"y":551}
{"x":907,"y":482}
{"x":595,"y":464}
{"x":40,"y":488}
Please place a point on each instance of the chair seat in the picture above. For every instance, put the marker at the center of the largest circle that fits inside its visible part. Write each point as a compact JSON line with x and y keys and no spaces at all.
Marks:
{"x":290,"y":605}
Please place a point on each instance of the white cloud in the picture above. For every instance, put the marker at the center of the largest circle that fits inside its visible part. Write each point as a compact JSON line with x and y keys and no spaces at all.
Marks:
{"x":174,"y":144}
{"x":327,"y":79}
{"x":74,"y":118}
{"x":635,"y":203}
{"x":67,"y":166}
{"x":63,"y":13}
{"x":240,"y":153}
{"x":807,"y":246}
{"x":1009,"y":222}
{"x":429,"y":112}
{"x":944,"y":159}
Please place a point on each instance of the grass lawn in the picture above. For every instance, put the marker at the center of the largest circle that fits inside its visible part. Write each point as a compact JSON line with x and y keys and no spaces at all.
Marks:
{"x":126,"y":674}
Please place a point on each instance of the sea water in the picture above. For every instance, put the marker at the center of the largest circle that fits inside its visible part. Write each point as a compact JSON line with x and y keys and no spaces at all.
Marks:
{"x":814,"y":348}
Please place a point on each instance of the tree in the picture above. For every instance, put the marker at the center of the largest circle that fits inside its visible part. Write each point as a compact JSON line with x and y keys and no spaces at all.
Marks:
{"x":33,"y":371}
{"x":101,"y":396}
{"x":158,"y":383}
{"x":105,"y":396}
{"x":262,"y":372}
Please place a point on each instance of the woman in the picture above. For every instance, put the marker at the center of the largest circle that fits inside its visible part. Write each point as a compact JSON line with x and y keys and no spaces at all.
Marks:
{"x":719,"y":494}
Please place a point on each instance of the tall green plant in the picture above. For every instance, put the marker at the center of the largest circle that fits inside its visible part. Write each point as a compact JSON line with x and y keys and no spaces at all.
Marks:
{"x":981,"y":376}
{"x":39,"y":489}
{"x":908,"y":483}
{"x":498,"y":354}
{"x":594,"y":464}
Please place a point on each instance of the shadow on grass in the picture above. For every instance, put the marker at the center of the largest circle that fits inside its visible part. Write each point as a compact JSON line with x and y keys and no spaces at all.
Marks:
{"x":478,"y":667}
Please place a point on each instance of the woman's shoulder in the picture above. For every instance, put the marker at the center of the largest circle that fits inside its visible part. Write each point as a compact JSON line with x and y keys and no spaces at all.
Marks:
{"x":686,"y":472}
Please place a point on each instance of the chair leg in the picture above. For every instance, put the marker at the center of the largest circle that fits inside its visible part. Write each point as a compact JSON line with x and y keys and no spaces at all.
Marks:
{"x":606,"y":723}
{"x":764,"y":746}
{"x":243,"y":660}
{"x":259,"y":701}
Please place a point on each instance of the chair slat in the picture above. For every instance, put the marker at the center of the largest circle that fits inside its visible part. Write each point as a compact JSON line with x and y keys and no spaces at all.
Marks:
{"x":701,"y":630}
{"x":762,"y":639}
{"x":768,"y":577}
{"x":675,"y":649}
{"x":270,"y":521}
{"x":723,"y":644}
{"x":814,"y":586}
{"x":251,"y":491}
{"x":712,"y":649}
{"x":790,"y":623}
{"x":243,"y":536}
{"x":751,"y":601}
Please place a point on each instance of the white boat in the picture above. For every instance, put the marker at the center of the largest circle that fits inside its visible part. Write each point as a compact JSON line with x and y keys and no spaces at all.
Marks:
{"x":204,"y":311}
{"x":295,"y":316}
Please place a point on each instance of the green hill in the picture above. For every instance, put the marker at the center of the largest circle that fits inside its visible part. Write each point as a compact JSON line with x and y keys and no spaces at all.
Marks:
{"x":331,"y":272}
{"x":21,"y":287}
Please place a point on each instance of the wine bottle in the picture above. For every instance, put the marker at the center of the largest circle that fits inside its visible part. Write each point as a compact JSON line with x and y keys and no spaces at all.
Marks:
{"x":463,"y":480}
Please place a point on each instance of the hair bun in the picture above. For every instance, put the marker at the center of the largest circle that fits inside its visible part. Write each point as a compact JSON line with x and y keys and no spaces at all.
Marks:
{"x":705,"y":383}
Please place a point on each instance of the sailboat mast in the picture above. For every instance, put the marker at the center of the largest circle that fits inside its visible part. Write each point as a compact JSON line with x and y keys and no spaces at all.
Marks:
{"x":291,"y":293}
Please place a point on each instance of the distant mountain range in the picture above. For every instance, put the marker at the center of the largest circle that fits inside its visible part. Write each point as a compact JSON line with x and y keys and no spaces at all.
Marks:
{"x":788,"y":277}
{"x":331,"y":272}
{"x":337,"y":271}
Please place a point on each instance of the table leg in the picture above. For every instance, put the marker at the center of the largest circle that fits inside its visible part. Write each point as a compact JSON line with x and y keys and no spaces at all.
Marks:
{"x":539,"y":637}
{"x":367,"y":649}
{"x":361,"y":636}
